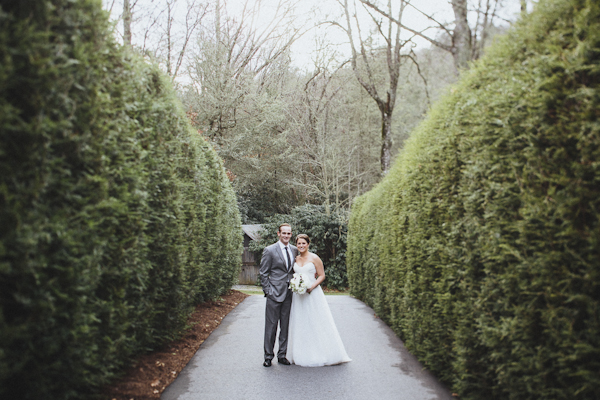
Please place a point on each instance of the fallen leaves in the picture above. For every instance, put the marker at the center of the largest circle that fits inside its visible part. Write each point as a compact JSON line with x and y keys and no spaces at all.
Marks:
{"x":155,"y":371}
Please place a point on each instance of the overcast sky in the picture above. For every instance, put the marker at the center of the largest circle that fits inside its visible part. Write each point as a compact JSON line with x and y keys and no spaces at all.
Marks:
{"x":308,"y":15}
{"x":311,"y":12}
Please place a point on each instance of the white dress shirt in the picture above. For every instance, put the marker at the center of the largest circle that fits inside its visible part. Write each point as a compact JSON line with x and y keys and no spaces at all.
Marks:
{"x":282,"y":246}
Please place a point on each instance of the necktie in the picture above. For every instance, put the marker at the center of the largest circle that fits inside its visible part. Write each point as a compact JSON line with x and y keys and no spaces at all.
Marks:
{"x":288,"y":257}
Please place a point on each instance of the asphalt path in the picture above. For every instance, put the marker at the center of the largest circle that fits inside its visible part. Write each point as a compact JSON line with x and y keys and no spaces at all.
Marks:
{"x":228,"y":365}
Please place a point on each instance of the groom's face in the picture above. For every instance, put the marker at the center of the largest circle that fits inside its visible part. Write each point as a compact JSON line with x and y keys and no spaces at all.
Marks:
{"x":285,"y":234}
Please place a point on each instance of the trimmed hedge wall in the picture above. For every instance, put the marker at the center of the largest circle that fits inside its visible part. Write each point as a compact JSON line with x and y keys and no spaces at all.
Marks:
{"x":481,"y":247}
{"x":117,"y":217}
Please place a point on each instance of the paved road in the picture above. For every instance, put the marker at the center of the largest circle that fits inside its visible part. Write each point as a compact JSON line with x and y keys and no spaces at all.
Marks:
{"x":228,"y":365}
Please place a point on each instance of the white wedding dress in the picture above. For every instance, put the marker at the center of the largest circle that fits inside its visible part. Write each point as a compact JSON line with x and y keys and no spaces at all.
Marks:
{"x":313,"y":339}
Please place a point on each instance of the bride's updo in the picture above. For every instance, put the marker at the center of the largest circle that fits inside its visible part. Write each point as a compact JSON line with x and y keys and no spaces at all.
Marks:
{"x":303,"y":236}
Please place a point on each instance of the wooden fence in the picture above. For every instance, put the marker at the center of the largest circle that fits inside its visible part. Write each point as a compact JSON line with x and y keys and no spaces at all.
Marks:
{"x":249,"y":272}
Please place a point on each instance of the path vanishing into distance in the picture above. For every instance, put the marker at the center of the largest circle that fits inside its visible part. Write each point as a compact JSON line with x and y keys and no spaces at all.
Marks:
{"x":228,"y":365}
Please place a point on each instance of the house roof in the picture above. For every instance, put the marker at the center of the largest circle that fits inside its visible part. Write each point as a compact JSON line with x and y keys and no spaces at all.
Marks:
{"x":252,"y":231}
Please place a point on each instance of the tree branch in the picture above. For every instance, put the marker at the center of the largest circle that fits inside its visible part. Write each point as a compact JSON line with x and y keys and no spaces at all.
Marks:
{"x":399,"y":23}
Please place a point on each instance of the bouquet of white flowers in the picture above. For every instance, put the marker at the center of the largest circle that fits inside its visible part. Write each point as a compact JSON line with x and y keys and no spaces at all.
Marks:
{"x":298,"y":284}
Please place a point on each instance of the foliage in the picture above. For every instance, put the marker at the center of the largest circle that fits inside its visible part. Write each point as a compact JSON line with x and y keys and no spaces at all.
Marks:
{"x":237,"y":99}
{"x":327,"y":235}
{"x":290,"y":138}
{"x":480,"y":248}
{"x":117,"y":217}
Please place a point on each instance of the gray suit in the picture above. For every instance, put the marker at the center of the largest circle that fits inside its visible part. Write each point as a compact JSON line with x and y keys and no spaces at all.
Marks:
{"x":274,"y":278}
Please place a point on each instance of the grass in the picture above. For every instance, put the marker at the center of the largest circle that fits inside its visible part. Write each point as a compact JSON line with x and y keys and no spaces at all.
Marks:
{"x":252,"y":292}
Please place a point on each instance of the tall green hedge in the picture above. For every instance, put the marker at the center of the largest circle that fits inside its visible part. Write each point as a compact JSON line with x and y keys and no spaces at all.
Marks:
{"x":117,"y":218}
{"x":481,"y":248}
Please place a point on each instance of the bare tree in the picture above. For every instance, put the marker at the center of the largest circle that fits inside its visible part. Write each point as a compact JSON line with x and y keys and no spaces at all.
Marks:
{"x":234,"y":56}
{"x":161,"y":29}
{"x":175,"y":42}
{"x":325,"y":156}
{"x":364,"y":72}
{"x":466,"y":42}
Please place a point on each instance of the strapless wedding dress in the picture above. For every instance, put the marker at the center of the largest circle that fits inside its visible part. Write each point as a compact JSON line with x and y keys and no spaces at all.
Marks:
{"x":313,"y":339}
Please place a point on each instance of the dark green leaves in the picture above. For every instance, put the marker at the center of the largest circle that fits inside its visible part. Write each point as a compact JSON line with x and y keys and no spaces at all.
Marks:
{"x":117,"y":218}
{"x":481,"y":247}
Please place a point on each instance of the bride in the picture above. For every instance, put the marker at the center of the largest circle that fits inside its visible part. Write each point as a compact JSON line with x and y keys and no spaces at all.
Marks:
{"x":313,"y":339}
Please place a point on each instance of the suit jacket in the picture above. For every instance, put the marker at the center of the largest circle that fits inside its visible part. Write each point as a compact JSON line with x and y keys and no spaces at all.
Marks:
{"x":274,"y":275}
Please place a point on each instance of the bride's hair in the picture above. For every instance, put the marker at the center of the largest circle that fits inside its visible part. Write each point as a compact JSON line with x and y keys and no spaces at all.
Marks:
{"x":303,"y":236}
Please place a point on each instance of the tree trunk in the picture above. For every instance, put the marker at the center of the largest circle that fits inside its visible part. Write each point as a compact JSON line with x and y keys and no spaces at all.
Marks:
{"x":393,"y":49}
{"x":126,"y":23}
{"x":218,"y":22}
{"x":386,"y":141}
{"x":169,"y":46}
{"x":461,"y":37}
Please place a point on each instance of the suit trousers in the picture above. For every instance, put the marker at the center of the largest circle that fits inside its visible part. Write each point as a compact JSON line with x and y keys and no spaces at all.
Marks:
{"x":277,"y":313}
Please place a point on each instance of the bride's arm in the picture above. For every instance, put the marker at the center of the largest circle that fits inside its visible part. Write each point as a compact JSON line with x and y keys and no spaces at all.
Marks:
{"x":320,"y":273}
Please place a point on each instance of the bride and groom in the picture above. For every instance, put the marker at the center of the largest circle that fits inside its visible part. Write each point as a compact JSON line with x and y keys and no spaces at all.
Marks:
{"x":307,"y":333}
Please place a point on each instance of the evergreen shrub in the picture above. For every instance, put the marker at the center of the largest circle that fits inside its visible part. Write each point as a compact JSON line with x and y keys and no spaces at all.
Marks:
{"x":327,"y":233}
{"x":481,"y":247}
{"x":117,"y":217}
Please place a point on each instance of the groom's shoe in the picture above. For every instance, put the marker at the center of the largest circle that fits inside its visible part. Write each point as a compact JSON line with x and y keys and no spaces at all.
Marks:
{"x":267,"y":363}
{"x":283,"y":361}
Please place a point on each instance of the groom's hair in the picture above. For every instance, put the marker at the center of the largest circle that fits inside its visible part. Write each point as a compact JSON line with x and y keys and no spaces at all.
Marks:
{"x":285,"y":224}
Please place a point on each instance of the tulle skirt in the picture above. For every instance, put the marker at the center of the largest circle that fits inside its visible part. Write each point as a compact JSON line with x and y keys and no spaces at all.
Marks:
{"x":313,"y":339}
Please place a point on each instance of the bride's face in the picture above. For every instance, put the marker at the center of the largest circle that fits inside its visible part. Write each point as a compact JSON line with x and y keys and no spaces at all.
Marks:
{"x":302,"y":245}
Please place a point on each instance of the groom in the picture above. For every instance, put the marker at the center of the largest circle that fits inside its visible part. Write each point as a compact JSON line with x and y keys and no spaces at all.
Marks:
{"x":275,"y":273}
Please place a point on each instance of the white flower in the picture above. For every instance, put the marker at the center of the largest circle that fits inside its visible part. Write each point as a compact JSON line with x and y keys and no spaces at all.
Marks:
{"x":298,"y":284}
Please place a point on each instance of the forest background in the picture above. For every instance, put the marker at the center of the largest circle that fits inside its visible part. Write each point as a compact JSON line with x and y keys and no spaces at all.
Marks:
{"x":308,"y":103}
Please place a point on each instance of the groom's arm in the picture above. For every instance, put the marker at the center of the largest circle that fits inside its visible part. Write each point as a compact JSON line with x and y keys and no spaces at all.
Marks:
{"x":265,"y":271}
